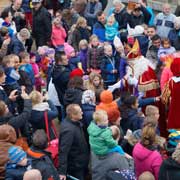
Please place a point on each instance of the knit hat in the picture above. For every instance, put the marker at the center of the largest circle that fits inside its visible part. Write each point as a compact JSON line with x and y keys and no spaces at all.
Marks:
{"x":106,"y":97}
{"x":16,"y":154}
{"x":68,"y":49}
{"x":24,"y":33}
{"x":88,"y":97}
{"x":76,"y":72}
{"x":113,"y":115}
{"x":49,"y":51}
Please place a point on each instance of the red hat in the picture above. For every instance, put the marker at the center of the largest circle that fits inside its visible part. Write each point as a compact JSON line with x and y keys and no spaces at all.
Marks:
{"x":76,"y":72}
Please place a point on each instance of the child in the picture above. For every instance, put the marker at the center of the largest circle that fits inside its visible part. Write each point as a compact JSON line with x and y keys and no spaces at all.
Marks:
{"x":32,"y":174}
{"x":95,"y":53}
{"x":83,"y":49}
{"x":58,"y":35}
{"x":26,"y":71}
{"x":111,"y":28}
{"x":74,"y":60}
{"x":108,"y":66}
{"x":18,"y":163}
{"x":165,"y":48}
{"x":38,"y":80}
{"x":12,"y":76}
{"x":100,"y":135}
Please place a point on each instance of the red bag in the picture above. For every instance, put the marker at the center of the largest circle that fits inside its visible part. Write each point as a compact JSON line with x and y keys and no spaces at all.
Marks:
{"x":52,"y":145}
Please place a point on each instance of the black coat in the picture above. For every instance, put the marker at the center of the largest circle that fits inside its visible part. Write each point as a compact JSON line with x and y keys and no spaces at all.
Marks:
{"x":42,"y":161}
{"x":60,"y":78}
{"x":169,"y":169}
{"x":73,"y":148}
{"x":42,"y":27}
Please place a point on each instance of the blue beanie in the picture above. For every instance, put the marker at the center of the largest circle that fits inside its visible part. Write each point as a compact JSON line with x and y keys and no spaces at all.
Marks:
{"x":16,"y":154}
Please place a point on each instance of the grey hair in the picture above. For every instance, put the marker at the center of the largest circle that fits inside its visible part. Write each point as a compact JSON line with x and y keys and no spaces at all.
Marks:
{"x":117,"y":2}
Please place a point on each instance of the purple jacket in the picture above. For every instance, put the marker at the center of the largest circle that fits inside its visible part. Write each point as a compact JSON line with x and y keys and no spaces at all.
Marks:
{"x":146,"y":160}
{"x":83,"y":58}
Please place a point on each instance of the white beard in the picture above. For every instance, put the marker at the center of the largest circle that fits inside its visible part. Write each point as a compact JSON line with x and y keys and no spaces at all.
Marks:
{"x":136,"y":67}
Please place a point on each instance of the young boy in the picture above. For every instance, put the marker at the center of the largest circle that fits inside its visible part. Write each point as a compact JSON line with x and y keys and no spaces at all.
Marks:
{"x":12,"y":76}
{"x":101,"y":136}
{"x":18,"y":163}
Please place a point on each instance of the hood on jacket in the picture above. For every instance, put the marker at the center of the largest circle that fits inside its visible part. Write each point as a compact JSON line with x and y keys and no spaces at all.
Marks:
{"x":141,"y":152}
{"x":106,"y":97}
{"x":94,"y":130}
{"x":7,"y":134}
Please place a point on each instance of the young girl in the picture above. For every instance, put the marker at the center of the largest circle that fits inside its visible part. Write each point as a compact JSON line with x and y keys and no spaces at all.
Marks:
{"x":165,"y":48}
{"x":83,"y":49}
{"x":58,"y":33}
{"x":95,"y":54}
{"x":111,"y":28}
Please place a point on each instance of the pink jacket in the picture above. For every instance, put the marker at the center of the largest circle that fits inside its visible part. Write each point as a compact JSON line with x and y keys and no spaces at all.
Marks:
{"x":146,"y":160}
{"x":165,"y":76}
{"x":58,"y":36}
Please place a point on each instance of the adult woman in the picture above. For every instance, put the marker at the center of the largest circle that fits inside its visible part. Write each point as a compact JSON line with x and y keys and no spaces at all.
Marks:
{"x":39,"y":108}
{"x":145,"y":156}
{"x":81,"y":32}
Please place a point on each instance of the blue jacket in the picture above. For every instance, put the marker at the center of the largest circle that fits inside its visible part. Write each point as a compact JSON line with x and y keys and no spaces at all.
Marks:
{"x":107,"y":65}
{"x":173,"y":36}
{"x":151,"y":21}
{"x":15,"y":46}
{"x":26,"y":6}
{"x":99,"y":31}
{"x":88,"y":111}
{"x":11,"y":76}
{"x":16,"y":172}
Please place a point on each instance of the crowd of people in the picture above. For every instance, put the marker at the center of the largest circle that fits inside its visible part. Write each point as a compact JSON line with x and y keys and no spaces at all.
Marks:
{"x":88,"y":95}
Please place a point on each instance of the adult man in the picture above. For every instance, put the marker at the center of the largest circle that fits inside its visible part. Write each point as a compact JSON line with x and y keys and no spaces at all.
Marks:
{"x":18,"y":14}
{"x":60,"y":75}
{"x":151,"y":31}
{"x":73,"y":148}
{"x":164,"y":21}
{"x":99,"y":28}
{"x":42,"y":27}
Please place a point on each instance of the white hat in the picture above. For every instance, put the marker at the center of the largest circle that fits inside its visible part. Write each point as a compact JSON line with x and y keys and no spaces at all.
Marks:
{"x":36,"y":1}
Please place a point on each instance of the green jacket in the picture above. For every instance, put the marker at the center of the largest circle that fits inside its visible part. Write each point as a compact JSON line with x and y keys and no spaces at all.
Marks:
{"x":100,"y":139}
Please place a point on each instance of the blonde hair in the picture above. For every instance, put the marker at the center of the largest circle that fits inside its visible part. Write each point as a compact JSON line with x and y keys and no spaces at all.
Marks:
{"x":80,"y":21}
{"x":150,"y":110}
{"x":9,"y":58}
{"x":99,"y":116}
{"x":82,"y":43}
{"x":93,"y":37}
{"x":146,"y":176}
{"x":71,"y":109}
{"x":36,"y":97}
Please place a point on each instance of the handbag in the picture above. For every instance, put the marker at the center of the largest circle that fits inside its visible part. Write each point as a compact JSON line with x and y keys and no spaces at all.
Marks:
{"x":52,"y":144}
{"x":22,"y":142}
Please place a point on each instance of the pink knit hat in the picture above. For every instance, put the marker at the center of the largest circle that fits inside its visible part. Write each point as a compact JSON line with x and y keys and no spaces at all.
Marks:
{"x":68,"y":49}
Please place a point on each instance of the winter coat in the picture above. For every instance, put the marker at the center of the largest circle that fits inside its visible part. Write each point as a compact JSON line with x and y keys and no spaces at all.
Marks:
{"x":92,"y":8}
{"x":37,"y":119}
{"x":146,"y":160}
{"x":119,"y":16}
{"x":15,"y":171}
{"x":163,"y":51}
{"x":58,"y":36}
{"x":94,"y":57}
{"x":83,"y":58}
{"x":15,"y":46}
{"x":107,"y":65}
{"x":73,"y":148}
{"x":170,"y":169}
{"x":172,"y":36}
{"x":88,"y":111}
{"x":42,"y":27}
{"x":101,"y":165}
{"x":111,"y":31}
{"x":42,"y":161}
{"x":73,"y":62}
{"x":99,"y":31}
{"x":61,"y":74}
{"x":79,"y":34}
{"x":7,"y":139}
{"x":73,"y":96}
{"x":131,"y":119}
{"x":100,"y":139}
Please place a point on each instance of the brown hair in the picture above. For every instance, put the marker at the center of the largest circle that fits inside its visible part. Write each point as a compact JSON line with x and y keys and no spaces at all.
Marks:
{"x":71,"y":109}
{"x":115,"y":132}
{"x":23,"y":55}
{"x":148,"y":135}
{"x":76,"y":82}
{"x":2,"y":108}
